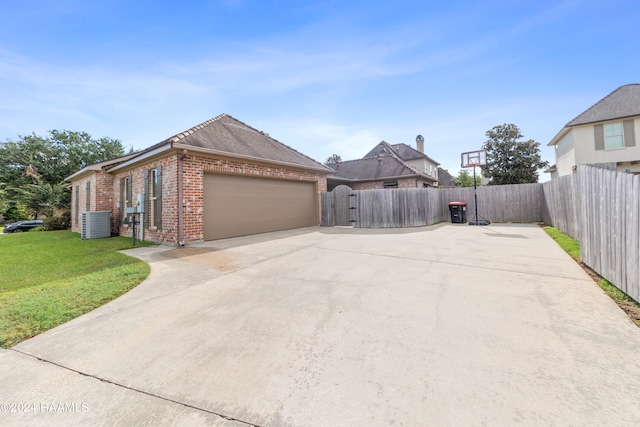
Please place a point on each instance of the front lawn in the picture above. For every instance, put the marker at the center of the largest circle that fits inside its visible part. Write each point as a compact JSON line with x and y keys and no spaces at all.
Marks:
{"x":48,"y":278}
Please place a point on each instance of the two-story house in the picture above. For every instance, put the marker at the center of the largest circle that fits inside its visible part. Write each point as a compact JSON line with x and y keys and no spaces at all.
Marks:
{"x":603,"y":134}
{"x":387,"y":166}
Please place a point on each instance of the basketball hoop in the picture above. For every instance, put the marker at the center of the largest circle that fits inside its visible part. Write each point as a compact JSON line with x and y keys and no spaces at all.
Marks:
{"x":471,"y":159}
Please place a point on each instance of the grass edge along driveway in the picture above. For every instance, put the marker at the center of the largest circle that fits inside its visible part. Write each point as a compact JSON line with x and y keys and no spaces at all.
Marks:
{"x":49,"y":278}
{"x":572,"y":247}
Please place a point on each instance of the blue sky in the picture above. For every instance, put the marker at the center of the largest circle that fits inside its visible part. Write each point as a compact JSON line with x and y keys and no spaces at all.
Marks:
{"x":321,"y":76}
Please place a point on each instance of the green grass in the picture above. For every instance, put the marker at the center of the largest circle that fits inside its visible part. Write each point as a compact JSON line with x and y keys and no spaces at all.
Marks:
{"x":624,"y":301}
{"x":570,"y":246}
{"x":49,"y":278}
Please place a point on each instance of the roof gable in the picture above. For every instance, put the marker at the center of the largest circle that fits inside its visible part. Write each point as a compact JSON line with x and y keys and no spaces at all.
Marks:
{"x":403,"y":151}
{"x":406,"y":152}
{"x":384,"y":165}
{"x":383,"y":147}
{"x":622,"y":102}
{"x":229,"y":135}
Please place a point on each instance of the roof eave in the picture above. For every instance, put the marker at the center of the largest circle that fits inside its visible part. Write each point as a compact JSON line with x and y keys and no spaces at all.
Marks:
{"x":323,"y":169}
{"x":144,"y":155}
{"x":98,"y":166}
{"x":565,"y":130}
{"x":384,"y":178}
{"x":83,"y":172}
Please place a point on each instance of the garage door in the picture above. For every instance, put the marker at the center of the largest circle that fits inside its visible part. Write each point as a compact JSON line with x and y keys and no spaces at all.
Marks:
{"x":239,"y":205}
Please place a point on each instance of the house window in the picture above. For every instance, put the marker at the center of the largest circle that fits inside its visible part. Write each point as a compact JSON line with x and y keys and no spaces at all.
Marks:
{"x":390,"y":184}
{"x":155,"y":198}
{"x":613,"y":135}
{"x":125,"y":196}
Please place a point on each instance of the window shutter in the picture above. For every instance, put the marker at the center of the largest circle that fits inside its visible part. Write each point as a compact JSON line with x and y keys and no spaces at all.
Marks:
{"x":88,"y":207}
{"x":77,"y":206}
{"x":129,"y":193}
{"x":629,"y":133}
{"x":598,"y":133}
{"x":122,"y":190}
{"x":157,"y":211}
{"x":144,"y":195}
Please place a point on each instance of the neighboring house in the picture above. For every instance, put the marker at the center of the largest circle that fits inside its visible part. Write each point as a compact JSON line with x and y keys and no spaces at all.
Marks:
{"x":445,"y":179}
{"x":387,"y":166}
{"x":603,"y":134}
{"x":219,"y":179}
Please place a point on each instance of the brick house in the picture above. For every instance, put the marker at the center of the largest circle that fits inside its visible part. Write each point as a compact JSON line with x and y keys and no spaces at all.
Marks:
{"x":230,"y":179}
{"x":387,"y":166}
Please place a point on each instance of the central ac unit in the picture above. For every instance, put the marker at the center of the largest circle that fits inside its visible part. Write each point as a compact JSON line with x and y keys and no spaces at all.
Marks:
{"x":96,"y":224}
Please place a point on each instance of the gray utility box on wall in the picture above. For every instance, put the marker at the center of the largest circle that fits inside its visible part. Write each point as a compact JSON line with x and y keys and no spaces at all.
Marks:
{"x":96,"y":224}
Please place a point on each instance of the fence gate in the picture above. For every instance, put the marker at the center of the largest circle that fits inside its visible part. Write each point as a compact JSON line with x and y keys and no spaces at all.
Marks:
{"x":342,"y":204}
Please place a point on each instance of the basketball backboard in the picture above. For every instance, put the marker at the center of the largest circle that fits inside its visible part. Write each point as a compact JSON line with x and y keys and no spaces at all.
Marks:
{"x":473,"y":158}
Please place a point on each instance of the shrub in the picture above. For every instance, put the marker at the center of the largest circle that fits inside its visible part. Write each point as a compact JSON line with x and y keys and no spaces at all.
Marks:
{"x":41,"y":228}
{"x":57,"y":222}
{"x":15,"y":212}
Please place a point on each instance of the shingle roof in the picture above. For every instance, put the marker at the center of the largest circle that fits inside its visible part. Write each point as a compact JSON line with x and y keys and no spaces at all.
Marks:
{"x":227,"y":134}
{"x":622,"y":102}
{"x":404,"y":151}
{"x":384,"y":165}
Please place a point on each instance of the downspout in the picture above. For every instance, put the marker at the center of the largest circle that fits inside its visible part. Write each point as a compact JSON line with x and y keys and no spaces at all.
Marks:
{"x":181,"y":157}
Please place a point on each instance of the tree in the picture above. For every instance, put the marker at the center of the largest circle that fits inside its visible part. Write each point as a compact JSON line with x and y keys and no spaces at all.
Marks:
{"x":35,"y":160}
{"x":42,"y":197}
{"x":333,"y":159}
{"x":465,"y":179}
{"x":510,"y":160}
{"x":14,"y":211}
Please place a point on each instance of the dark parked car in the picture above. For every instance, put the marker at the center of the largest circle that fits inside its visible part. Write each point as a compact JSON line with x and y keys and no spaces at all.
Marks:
{"x":21,"y":226}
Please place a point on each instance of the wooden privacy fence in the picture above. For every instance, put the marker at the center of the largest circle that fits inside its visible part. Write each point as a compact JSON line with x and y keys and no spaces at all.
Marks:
{"x":562,"y":205}
{"x":609,"y":225}
{"x":414,"y":207}
{"x":599,"y":208}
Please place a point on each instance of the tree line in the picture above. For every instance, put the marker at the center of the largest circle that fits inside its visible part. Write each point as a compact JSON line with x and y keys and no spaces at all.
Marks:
{"x":33,"y":169}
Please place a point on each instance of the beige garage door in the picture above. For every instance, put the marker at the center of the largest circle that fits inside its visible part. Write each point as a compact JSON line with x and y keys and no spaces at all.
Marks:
{"x":239,"y":205}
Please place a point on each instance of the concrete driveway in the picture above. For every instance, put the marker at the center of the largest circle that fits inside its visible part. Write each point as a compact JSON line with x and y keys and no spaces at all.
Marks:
{"x":447,"y":325}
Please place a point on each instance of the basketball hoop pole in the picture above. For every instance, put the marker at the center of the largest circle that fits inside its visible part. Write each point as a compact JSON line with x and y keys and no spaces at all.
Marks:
{"x":473,"y":159}
{"x":475,"y":193}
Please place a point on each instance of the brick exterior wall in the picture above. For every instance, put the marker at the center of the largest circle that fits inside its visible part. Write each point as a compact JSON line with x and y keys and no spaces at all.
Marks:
{"x":169,"y":230}
{"x":99,"y":196}
{"x":105,"y":192}
{"x":194,"y":168}
{"x":373,"y":185}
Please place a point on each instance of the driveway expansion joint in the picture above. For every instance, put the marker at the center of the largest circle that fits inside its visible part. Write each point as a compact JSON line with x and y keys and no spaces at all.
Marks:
{"x":166,"y":399}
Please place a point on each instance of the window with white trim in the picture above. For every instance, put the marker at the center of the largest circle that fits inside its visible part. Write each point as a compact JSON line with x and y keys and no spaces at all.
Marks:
{"x":613,"y":135}
{"x":153,"y":196}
